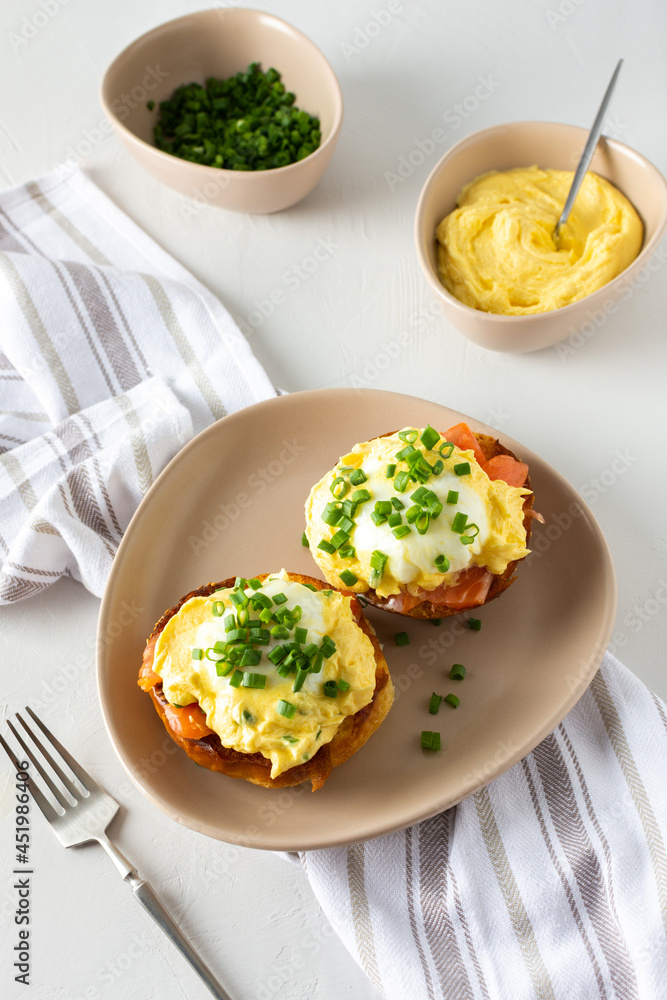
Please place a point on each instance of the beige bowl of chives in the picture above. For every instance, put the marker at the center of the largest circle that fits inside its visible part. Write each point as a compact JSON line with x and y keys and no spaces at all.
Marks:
{"x":220,"y":43}
{"x":547,"y":144}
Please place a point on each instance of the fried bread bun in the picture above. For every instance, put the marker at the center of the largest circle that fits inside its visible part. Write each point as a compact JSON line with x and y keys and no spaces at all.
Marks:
{"x":264,"y":732}
{"x":423,"y":524}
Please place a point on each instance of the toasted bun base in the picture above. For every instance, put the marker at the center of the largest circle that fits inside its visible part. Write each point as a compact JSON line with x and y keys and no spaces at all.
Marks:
{"x":427,"y":610}
{"x":353,"y":732}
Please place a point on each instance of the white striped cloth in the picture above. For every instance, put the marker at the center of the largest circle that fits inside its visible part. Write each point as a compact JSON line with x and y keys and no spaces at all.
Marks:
{"x":112,"y":356}
{"x":548,"y":884}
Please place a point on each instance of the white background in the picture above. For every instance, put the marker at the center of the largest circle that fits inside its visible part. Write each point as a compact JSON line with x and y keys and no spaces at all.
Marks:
{"x":251,"y":914}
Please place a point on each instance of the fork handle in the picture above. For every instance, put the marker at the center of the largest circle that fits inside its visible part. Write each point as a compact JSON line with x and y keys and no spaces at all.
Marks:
{"x":146,"y":896}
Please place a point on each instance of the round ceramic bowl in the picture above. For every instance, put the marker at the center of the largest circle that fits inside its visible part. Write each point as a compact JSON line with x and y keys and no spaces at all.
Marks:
{"x":220,"y":43}
{"x":547,"y":144}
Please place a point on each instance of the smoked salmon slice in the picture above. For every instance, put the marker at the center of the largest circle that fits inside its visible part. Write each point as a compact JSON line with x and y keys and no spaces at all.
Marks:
{"x":188,"y":722}
{"x":463,"y":438}
{"x":470,"y":589}
{"x":509,"y":469}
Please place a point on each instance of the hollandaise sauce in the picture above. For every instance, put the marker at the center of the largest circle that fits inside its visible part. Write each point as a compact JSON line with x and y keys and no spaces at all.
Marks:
{"x":276,"y":665}
{"x":412,"y":510}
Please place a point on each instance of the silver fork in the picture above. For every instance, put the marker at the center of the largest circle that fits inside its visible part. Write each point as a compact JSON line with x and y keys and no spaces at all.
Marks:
{"x":82,"y":815}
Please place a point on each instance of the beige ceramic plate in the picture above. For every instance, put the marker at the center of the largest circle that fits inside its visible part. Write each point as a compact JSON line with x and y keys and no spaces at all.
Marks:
{"x":231,"y":502}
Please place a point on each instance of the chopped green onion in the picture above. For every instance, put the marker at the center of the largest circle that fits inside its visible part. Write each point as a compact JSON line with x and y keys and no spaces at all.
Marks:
{"x":462,"y":469}
{"x":452,"y":700}
{"x":348,"y":577}
{"x":240,"y":583}
{"x":286,"y":708}
{"x":330,"y":689}
{"x":401,"y":482}
{"x":300,"y":634}
{"x":412,"y":513}
{"x":332,"y":514}
{"x":378,"y":563}
{"x":239,"y":599}
{"x":402,"y":639}
{"x":435,"y":621}
{"x":445,"y":450}
{"x":349,"y":508}
{"x":434,"y":704}
{"x":346,"y":524}
{"x":401,"y":531}
{"x":420,"y":495}
{"x":311,"y":649}
{"x":254,"y":680}
{"x":339,"y":538}
{"x":236,"y":678}
{"x":280,"y":632}
{"x":442,"y":563}
{"x":229,"y":622}
{"x":357,"y":477}
{"x":383,"y":506}
{"x":243,"y":616}
{"x":316,"y":663}
{"x":197,"y":653}
{"x":340,"y":487}
{"x":327,"y":647}
{"x":377,"y":518}
{"x":391,"y":471}
{"x":304,"y":541}
{"x":326,"y":546}
{"x":472,"y":531}
{"x":237,"y":635}
{"x":299,"y":679}
{"x":395,"y":519}
{"x":459,"y":522}
{"x":438,"y":466}
{"x":254,"y":584}
{"x":218,"y":609}
{"x":290,"y":739}
{"x":410,"y":435}
{"x":422,"y":522}
{"x":343,"y":685}
{"x":434,"y":509}
{"x":347,"y":552}
{"x":430,"y":741}
{"x":279,"y":599}
{"x":251,"y":658}
{"x":430,"y":437}
{"x":360,"y":496}
{"x":277,"y":654}
{"x":397,"y":504}
{"x":408,"y":450}
{"x":223,"y":667}
{"x":266,"y":615}
{"x":458,"y":672}
{"x":475,"y":624}
{"x":453,"y":496}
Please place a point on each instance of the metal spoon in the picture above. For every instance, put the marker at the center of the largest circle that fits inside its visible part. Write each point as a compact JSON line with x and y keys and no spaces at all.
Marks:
{"x":587,"y":155}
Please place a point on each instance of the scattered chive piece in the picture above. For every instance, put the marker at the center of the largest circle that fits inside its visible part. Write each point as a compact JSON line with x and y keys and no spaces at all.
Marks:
{"x":332,"y":514}
{"x":343,"y":685}
{"x":442,"y":563}
{"x":434,"y":703}
{"x":339,"y":538}
{"x":391,"y":471}
{"x":251,"y":658}
{"x":330,"y":689}
{"x":472,"y":531}
{"x":277,"y":654}
{"x":347,"y":551}
{"x":458,"y":672}
{"x":346,"y":524}
{"x":378,"y":563}
{"x":357,"y":477}
{"x":304,"y":541}
{"x":279,"y":598}
{"x":438,"y":466}
{"x":286,"y":708}
{"x":453,"y":496}
{"x":254,"y":680}
{"x":462,"y":469}
{"x":290,"y":739}
{"x":412,"y":513}
{"x":445,"y":450}
{"x":402,"y":639}
{"x":430,"y":741}
{"x":280,"y":632}
{"x":150,"y":105}
{"x":316,"y":664}
{"x":397,"y":504}
{"x":459,"y":522}
{"x":229,"y":622}
{"x":327,"y":647}
{"x":218,"y":609}
{"x":254,"y":584}
{"x":300,"y":634}
{"x":422,"y":522}
{"x":301,"y":675}
{"x":410,"y":435}
{"x":401,"y":531}
{"x":395,"y":519}
{"x":360,"y":496}
{"x":430,"y":437}
{"x":348,"y":577}
{"x":197,"y":653}
{"x":236,"y":678}
{"x":436,"y":621}
{"x":452,"y":700}
{"x":408,"y":450}
{"x":223,"y":667}
{"x":340,"y":487}
{"x":383,"y":506}
{"x":377,"y":518}
{"x":401,"y":482}
{"x":475,"y":624}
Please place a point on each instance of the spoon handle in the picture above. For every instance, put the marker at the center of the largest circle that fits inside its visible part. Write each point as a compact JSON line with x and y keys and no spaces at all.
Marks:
{"x":589,"y":149}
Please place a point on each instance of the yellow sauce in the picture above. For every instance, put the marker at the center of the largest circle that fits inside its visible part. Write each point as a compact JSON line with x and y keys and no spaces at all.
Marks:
{"x":496,"y":250}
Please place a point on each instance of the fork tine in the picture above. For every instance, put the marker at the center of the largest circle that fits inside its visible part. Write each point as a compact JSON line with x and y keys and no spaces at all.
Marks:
{"x":55,"y":791}
{"x":87,"y":782}
{"x":67,"y":781}
{"x":44,"y":804}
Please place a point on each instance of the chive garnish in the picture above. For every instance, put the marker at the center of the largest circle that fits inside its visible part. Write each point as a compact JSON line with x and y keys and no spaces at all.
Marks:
{"x":251,"y":680}
{"x":458,"y":672}
{"x":348,"y":577}
{"x":378,"y":563}
{"x":401,"y":531}
{"x":434,"y":703}
{"x":360,"y":496}
{"x":430,"y":437}
{"x":472,"y":531}
{"x":236,"y":678}
{"x":300,"y":634}
{"x":330,"y":689}
{"x":304,"y":541}
{"x":395,"y":519}
{"x":474,"y":623}
{"x":459,"y":522}
{"x":462,"y":469}
{"x":340,"y":487}
{"x":430,"y":740}
{"x":301,"y":675}
{"x":218,"y":609}
{"x":339,"y":538}
{"x":391,"y":471}
{"x":402,"y":639}
{"x":286,"y":708}
{"x":197,"y":653}
{"x":452,"y":700}
{"x":442,"y":563}
{"x":445,"y":450}
{"x":343,"y":685}
{"x":279,"y":598}
{"x":357,"y":477}
{"x":401,"y":482}
{"x":453,"y":496}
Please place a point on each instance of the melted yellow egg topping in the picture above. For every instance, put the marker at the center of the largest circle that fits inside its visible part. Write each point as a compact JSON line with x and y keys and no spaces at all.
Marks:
{"x":248,"y":719}
{"x":493,"y":514}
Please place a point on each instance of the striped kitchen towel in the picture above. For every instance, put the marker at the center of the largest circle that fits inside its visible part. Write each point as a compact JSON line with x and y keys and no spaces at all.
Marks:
{"x":112,"y":356}
{"x":548,"y":884}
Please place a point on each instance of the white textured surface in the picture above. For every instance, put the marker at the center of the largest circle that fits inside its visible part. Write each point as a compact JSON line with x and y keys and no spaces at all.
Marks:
{"x":597,"y":414}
